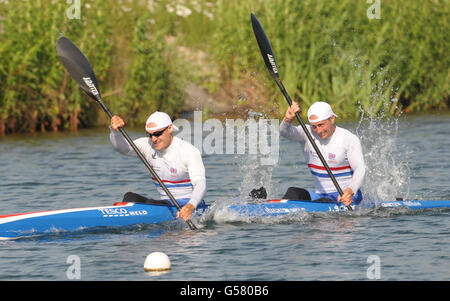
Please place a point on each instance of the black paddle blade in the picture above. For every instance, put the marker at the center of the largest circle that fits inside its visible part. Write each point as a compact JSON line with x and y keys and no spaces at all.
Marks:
{"x":264,"y":46}
{"x":78,"y":66}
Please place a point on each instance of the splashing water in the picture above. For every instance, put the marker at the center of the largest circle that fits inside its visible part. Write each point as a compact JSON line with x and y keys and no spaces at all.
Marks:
{"x":387,"y":170}
{"x":255,"y":174}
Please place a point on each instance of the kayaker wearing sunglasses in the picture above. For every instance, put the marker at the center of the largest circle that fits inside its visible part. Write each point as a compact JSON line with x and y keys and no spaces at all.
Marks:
{"x":177,"y":162}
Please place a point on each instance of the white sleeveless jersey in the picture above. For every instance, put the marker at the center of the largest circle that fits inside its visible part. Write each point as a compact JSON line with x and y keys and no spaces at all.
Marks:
{"x":342,"y":152}
{"x":179,"y":166}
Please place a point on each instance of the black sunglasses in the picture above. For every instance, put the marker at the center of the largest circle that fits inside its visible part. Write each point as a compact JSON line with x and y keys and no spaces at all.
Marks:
{"x":157,"y":134}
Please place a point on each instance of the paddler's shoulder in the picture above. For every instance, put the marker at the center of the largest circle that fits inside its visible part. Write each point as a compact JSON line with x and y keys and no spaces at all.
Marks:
{"x":345,"y":133}
{"x":183,"y":145}
{"x":142,"y":142}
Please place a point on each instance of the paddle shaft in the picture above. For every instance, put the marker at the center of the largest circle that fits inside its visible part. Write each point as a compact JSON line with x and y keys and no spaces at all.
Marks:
{"x":138,"y":152}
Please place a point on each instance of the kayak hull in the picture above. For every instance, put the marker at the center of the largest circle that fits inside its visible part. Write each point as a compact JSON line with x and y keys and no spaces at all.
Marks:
{"x":283,"y":207}
{"x":36,"y":223}
{"x":126,"y":214}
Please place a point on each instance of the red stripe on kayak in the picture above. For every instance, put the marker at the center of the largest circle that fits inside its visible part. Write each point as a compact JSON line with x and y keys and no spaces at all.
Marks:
{"x":17,"y":214}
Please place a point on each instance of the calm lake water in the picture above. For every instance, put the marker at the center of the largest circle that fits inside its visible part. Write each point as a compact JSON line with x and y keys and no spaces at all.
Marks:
{"x":406,"y":158}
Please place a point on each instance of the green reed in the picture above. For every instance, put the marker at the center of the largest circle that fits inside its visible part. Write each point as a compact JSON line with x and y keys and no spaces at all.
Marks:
{"x":145,"y":52}
{"x":332,"y":51}
{"x":37,"y":94}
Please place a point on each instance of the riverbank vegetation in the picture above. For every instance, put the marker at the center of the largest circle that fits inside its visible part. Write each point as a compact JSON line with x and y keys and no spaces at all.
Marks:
{"x":360,"y":57}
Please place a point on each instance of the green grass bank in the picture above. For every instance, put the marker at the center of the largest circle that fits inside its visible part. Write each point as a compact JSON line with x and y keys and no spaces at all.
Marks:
{"x":382,"y":57}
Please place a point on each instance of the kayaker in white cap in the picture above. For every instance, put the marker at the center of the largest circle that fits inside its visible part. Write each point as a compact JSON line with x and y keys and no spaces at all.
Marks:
{"x":177,"y":162}
{"x":339,"y":147}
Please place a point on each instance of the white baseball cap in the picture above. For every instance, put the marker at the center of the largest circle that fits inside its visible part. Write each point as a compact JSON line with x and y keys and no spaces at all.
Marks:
{"x":161,"y":119}
{"x":321,"y":110}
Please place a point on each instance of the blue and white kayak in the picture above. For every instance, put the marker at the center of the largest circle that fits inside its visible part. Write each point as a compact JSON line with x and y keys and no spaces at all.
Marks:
{"x":282,"y":207}
{"x":126,"y":214}
{"x":118,"y":215}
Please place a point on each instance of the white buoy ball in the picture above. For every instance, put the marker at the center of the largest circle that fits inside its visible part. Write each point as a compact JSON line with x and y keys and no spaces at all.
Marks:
{"x":157,"y":261}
